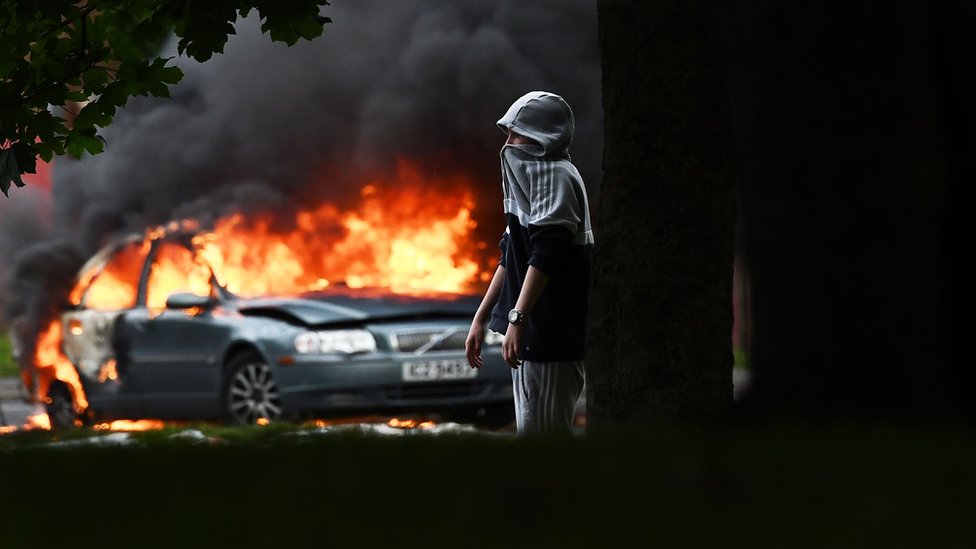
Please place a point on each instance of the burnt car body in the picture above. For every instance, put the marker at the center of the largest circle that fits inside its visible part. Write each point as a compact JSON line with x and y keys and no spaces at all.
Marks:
{"x":220,"y":356}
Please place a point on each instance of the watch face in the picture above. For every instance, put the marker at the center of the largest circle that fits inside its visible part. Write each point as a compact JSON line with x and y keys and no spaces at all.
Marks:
{"x":514,"y":316}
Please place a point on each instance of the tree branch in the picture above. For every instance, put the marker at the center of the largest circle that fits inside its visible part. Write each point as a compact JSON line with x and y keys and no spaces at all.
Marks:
{"x":67,"y":22}
{"x":74,"y":69}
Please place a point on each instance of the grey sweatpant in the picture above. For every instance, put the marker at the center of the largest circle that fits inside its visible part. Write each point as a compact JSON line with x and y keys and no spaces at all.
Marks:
{"x":545,"y":395}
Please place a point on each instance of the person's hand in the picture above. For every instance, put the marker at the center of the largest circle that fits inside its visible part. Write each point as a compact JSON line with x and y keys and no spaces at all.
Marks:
{"x":512,"y":346}
{"x":472,"y":345}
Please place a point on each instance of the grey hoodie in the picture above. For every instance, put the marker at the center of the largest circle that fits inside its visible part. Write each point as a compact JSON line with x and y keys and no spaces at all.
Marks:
{"x":546,"y":118}
{"x":548,"y":227}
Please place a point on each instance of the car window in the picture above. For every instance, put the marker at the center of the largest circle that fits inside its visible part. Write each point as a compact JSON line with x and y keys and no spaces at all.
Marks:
{"x":175,"y":269}
{"x":116,"y":285}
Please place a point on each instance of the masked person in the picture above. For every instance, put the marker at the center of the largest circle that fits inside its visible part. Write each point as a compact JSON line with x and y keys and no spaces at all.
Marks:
{"x":538,"y":296}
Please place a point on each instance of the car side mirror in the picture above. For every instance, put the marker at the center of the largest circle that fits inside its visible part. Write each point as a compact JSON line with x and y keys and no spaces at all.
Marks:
{"x":189,"y":301}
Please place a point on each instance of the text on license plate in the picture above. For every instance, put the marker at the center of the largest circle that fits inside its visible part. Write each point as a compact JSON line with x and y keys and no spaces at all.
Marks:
{"x":428,"y":370}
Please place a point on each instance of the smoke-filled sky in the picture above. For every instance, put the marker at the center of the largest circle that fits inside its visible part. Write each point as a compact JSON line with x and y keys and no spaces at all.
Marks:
{"x":265,"y":125}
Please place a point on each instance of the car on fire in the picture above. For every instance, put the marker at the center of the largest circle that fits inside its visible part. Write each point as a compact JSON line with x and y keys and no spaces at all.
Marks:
{"x":156,"y":350}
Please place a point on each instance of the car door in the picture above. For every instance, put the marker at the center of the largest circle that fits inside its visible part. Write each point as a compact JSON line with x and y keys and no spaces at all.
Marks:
{"x":89,"y":337}
{"x":175,"y":352}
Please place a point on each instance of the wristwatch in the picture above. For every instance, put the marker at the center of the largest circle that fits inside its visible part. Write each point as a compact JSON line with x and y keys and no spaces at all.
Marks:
{"x":516,"y":317}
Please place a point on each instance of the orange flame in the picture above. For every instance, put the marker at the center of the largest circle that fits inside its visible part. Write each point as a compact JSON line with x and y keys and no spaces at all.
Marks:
{"x":109,"y":371}
{"x":130,"y":425}
{"x":113,"y":287}
{"x":52,"y":364}
{"x":406,"y":238}
{"x":403,"y":236}
{"x":410,"y":424}
{"x":38,"y":421}
{"x":176,"y":269}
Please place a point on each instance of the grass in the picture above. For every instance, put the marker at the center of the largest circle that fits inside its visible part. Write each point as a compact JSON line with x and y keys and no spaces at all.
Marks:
{"x":8,"y":367}
{"x":755,"y":486}
{"x":740,"y":358}
{"x":743,"y":486}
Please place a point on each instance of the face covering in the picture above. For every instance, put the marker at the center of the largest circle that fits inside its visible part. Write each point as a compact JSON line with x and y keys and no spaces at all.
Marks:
{"x":542,"y":191}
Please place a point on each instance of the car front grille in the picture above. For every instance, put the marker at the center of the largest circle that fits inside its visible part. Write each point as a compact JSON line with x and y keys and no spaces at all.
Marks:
{"x":429,"y":340}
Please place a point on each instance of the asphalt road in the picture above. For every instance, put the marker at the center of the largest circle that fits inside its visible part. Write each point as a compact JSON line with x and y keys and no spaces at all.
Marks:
{"x":12,"y":404}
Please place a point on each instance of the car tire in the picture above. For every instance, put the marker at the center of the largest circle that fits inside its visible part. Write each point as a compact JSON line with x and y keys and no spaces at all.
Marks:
{"x":60,"y":407}
{"x":250,"y":391}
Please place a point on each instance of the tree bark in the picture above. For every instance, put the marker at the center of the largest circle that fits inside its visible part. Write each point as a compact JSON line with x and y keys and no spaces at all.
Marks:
{"x":660,"y":342}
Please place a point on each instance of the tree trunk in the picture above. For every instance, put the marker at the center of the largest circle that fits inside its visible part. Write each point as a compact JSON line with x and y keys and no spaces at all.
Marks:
{"x":660,"y":342}
{"x":852,"y":144}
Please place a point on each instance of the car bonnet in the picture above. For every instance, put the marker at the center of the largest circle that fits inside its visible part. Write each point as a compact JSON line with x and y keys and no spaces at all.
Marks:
{"x":318,"y":310}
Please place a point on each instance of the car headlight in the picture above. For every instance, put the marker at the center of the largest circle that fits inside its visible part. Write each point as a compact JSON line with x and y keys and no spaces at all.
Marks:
{"x":335,"y":341}
{"x":493,"y":338}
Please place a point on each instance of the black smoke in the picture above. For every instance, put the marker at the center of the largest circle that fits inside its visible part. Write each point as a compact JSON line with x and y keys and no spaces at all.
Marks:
{"x":421,"y":80}
{"x":265,"y":126}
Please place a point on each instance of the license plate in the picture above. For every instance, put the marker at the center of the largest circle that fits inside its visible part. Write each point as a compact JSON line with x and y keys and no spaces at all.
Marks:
{"x":433,"y":370}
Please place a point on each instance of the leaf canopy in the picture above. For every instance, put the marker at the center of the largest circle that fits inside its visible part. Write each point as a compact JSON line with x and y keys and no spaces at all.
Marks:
{"x":68,"y":66}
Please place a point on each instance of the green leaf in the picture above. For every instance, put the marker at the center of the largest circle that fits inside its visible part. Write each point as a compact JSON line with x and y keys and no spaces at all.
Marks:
{"x":91,"y":140}
{"x":77,"y":96}
{"x":158,"y":75}
{"x":5,"y":154}
{"x":93,"y":115}
{"x":9,"y":172}
{"x":6,"y":64}
{"x":202,"y":44}
{"x":95,"y":78}
{"x":309,"y":28}
{"x":170,"y":75}
{"x":26,"y":156}
{"x":79,"y":141}
{"x":114,"y":95}
{"x":288,"y":21}
{"x":204,"y":26}
{"x":73,"y":145}
{"x":47,"y":149}
{"x":43,"y":125}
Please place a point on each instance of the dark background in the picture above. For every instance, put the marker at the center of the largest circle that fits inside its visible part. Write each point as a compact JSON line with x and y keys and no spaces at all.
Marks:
{"x":853,"y":130}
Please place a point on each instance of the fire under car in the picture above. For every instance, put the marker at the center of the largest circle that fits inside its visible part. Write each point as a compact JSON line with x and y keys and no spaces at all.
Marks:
{"x":145,"y":347}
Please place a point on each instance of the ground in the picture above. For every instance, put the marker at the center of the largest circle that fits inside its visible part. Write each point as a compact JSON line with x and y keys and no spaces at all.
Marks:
{"x":784,"y":485}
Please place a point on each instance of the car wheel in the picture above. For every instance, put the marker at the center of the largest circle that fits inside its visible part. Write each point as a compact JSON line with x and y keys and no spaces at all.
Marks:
{"x":60,"y":407}
{"x":250,"y":392}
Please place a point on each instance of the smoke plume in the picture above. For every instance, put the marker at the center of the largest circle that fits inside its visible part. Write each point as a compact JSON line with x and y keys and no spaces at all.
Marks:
{"x":267,"y":126}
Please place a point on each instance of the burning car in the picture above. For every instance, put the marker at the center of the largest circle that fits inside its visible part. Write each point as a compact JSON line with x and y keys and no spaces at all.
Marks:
{"x":154,"y":331}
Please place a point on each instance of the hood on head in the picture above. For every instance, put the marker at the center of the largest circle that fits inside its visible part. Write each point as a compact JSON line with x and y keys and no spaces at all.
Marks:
{"x":543,"y":116}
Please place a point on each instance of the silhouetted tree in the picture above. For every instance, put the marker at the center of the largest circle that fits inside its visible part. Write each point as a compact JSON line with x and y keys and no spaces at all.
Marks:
{"x":660,"y":338}
{"x":852,"y":136}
